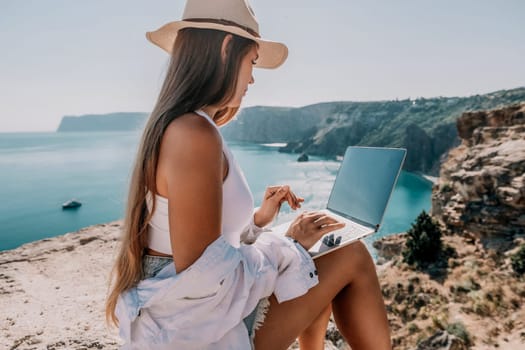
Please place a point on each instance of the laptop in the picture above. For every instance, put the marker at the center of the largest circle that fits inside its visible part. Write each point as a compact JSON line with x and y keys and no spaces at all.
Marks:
{"x":359,"y":197}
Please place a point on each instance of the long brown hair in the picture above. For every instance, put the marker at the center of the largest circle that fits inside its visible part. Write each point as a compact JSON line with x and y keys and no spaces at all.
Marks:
{"x":197,"y":76}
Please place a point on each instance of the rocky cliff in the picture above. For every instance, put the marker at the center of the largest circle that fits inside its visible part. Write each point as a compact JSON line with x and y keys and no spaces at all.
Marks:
{"x":475,"y":303}
{"x":481,"y":189}
{"x":425,"y":126}
{"x":476,"y":299}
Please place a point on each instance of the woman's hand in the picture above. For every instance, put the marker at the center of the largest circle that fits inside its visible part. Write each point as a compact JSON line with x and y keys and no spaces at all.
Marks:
{"x":274,"y":196}
{"x":309,"y":227}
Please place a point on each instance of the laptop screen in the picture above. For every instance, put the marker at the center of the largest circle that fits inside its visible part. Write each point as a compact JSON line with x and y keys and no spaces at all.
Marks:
{"x":365,"y":181}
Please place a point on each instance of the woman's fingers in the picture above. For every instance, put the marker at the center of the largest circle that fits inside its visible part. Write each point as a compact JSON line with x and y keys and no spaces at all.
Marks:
{"x":314,"y":214}
{"x":290,"y":200}
{"x":325,"y":223}
{"x":272,"y":190}
{"x":331,"y":227}
{"x":293,"y":200}
{"x":297,"y":200}
{"x":310,"y":226}
{"x":321,"y":217}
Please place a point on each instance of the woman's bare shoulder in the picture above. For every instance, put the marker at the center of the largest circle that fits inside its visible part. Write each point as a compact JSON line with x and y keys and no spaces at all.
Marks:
{"x":191,"y":131}
{"x":189,"y":142}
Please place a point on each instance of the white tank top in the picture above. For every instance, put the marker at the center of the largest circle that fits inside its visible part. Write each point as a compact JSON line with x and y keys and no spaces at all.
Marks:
{"x":237,"y":206}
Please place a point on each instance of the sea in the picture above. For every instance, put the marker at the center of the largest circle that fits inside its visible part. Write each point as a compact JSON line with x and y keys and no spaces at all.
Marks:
{"x":40,"y":171}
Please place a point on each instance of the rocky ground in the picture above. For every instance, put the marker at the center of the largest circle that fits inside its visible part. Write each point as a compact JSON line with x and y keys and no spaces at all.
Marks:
{"x":52,"y":295}
{"x":476,"y":300}
{"x":52,"y":291}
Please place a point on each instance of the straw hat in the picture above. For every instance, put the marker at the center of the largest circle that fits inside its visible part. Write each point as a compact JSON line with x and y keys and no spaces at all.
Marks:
{"x":232,"y":16}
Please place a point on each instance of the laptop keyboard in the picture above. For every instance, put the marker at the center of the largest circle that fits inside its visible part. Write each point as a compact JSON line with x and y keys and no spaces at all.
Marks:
{"x":349,"y":232}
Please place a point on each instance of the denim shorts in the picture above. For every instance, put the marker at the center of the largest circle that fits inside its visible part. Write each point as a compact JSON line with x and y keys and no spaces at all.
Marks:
{"x":151,"y":265}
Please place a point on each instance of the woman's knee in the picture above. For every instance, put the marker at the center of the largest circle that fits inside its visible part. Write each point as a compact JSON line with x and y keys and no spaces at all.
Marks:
{"x":357,"y":258}
{"x":345,"y":264}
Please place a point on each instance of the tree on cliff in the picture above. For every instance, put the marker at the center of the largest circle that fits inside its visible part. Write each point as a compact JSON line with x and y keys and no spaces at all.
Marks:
{"x":423,"y":245}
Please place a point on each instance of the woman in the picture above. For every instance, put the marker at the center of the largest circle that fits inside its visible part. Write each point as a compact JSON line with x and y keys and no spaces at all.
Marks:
{"x":196,"y":269}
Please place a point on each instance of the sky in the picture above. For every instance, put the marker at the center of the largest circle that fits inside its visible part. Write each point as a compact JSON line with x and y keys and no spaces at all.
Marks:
{"x":66,"y":57}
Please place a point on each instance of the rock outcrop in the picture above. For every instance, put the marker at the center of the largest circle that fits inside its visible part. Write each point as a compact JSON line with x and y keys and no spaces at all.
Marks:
{"x":477,"y":304}
{"x":481,"y":189}
{"x":442,"y":340}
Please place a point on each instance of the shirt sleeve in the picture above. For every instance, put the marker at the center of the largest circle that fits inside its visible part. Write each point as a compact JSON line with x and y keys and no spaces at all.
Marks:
{"x":251,"y":232}
{"x":296,"y":271}
{"x":205,"y":303}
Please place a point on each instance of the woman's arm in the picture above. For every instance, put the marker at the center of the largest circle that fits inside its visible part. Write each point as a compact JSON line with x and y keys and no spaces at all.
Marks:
{"x":191,"y":158}
{"x":252,"y":231}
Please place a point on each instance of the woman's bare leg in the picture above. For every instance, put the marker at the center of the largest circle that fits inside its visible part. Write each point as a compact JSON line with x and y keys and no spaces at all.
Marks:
{"x":312,"y":338}
{"x":348,"y":280}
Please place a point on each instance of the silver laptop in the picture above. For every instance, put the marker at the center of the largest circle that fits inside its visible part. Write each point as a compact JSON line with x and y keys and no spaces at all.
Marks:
{"x":361,"y":192}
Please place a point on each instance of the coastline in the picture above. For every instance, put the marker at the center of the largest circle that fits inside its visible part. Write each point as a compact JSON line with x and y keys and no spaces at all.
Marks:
{"x":433,"y":179}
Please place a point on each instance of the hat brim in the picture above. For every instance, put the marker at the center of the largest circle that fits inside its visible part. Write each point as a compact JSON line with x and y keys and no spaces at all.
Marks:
{"x":272,"y":54}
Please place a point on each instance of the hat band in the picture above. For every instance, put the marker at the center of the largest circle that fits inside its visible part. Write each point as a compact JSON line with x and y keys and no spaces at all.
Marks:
{"x":224,"y":22}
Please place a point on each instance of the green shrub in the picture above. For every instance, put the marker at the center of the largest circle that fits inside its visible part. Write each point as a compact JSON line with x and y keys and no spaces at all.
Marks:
{"x":423,"y":245}
{"x":518,"y":261}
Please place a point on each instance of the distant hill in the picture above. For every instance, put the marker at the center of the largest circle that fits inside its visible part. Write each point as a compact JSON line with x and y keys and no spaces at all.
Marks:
{"x":425,"y":126}
{"x":122,"y":121}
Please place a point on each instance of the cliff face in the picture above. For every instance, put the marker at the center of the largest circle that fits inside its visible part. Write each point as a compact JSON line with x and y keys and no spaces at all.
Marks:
{"x":476,"y":301}
{"x":271,"y":124}
{"x":481,"y":189}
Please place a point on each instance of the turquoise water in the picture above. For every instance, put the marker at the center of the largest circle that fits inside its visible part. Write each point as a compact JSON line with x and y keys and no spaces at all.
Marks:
{"x":40,"y":171}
